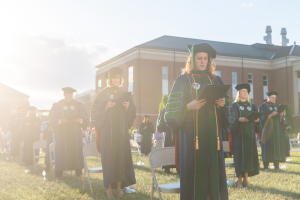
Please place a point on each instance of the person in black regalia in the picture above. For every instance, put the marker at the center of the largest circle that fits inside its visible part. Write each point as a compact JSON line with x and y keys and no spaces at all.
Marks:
{"x":31,"y":127}
{"x":272,"y":135}
{"x":243,"y":136}
{"x":112,"y":118}
{"x":16,"y":134}
{"x":146,"y":130}
{"x":198,"y":124}
{"x":67,"y":117}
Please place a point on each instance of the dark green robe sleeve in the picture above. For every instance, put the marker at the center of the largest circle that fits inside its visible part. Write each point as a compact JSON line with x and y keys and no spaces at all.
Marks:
{"x":176,"y":108}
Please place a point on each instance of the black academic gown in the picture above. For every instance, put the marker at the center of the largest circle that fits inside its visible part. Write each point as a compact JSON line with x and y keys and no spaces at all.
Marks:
{"x":31,"y":125}
{"x":114,"y":142}
{"x":16,"y":134}
{"x":146,"y":142}
{"x":183,"y":123}
{"x":68,"y":137}
{"x":239,"y":138}
{"x":272,"y":135}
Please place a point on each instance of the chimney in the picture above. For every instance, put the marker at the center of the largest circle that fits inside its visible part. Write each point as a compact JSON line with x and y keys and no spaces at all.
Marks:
{"x":283,"y":40}
{"x":268,"y":38}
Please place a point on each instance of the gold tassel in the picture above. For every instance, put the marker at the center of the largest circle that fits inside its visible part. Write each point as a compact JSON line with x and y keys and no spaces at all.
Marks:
{"x":197,"y":145}
{"x":219,"y":143}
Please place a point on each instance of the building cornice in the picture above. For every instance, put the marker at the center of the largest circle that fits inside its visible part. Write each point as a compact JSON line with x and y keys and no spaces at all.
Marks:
{"x":166,"y":55}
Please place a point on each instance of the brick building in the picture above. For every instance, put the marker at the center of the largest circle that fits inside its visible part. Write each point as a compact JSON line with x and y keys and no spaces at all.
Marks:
{"x":9,"y":99}
{"x":150,"y":69}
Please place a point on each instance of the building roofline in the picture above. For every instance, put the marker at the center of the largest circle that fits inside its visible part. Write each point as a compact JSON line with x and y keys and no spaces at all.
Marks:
{"x":20,"y":93}
{"x":185,"y":50}
{"x":115,"y":58}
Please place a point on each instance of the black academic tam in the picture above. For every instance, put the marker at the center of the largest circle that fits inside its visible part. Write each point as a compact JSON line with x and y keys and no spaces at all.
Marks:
{"x":272,"y":93}
{"x":113,"y":71}
{"x":68,"y":90}
{"x":243,"y":86}
{"x":204,"y":47}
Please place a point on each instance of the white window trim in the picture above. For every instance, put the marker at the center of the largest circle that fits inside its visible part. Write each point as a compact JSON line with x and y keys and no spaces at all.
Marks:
{"x":165,"y":80}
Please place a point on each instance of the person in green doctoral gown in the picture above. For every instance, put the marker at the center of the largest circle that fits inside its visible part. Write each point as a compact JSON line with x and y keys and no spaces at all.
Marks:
{"x":67,"y":117}
{"x":272,"y":135}
{"x":243,"y":136}
{"x":146,"y":130}
{"x":197,"y":125}
{"x":112,"y":118}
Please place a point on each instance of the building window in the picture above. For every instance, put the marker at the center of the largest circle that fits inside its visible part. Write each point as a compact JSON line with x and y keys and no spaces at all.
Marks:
{"x":99,"y":83}
{"x":218,"y":73}
{"x":234,"y":83}
{"x":165,"y":85}
{"x":265,"y":86}
{"x":130,"y":79}
{"x":250,"y":81}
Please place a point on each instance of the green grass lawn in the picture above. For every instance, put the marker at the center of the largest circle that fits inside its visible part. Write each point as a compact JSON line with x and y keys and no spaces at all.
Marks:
{"x":15,"y":184}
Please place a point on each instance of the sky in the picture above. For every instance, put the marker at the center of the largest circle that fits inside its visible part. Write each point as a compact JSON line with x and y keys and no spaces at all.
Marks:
{"x":47,"y":45}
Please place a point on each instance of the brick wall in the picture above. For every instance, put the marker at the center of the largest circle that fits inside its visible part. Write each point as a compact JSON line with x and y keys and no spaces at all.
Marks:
{"x":147,"y":84}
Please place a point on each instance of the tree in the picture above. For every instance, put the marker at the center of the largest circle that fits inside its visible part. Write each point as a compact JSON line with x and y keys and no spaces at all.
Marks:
{"x":163,"y":103}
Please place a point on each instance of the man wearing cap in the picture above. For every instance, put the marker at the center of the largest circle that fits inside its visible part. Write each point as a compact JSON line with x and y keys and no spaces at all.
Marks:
{"x":14,"y":127}
{"x":67,"y":117}
{"x":272,"y":140}
{"x":31,"y":127}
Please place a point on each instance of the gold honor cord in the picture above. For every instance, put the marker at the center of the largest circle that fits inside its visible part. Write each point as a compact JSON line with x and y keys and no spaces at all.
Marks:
{"x":196,"y":142}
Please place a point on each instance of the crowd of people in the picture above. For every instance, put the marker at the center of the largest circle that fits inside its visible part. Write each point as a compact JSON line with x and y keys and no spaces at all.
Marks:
{"x":195,"y":126}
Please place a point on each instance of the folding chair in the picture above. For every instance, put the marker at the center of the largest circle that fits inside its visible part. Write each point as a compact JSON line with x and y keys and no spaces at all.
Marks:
{"x":52,"y":160}
{"x":294,"y":142}
{"x":21,"y":151}
{"x":90,"y":150}
{"x":158,"y":158}
{"x":38,"y":145}
{"x":159,"y":144}
{"x":135,"y":150}
{"x":227,"y":150}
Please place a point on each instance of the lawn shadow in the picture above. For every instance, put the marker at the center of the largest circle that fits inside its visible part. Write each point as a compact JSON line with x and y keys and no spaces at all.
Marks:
{"x":275,"y":191}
